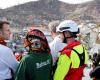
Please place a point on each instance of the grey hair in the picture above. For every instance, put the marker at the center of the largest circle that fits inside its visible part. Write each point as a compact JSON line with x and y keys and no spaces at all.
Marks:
{"x":53,"y":25}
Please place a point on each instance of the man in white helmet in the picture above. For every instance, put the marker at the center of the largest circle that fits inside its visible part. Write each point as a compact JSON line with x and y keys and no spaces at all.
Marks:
{"x":73,"y":57}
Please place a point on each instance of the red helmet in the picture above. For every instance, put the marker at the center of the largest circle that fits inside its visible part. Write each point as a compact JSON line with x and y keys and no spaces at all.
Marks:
{"x":36,"y":40}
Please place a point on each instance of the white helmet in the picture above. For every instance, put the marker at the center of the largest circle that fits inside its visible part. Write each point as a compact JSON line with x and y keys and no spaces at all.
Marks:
{"x":67,"y":25}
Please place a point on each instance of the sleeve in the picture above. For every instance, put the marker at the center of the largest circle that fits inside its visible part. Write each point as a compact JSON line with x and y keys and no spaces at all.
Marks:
{"x":9,"y":59}
{"x":63,"y":66}
{"x":20,"y":73}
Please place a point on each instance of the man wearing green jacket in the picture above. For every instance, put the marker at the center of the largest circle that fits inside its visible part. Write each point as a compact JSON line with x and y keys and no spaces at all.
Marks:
{"x":37,"y":64}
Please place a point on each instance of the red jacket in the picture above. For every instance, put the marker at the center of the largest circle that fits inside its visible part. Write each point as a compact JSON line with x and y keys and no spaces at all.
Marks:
{"x":74,"y":73}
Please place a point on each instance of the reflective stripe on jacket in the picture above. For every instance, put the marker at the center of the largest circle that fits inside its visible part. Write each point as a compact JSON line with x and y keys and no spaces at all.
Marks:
{"x":68,"y":67}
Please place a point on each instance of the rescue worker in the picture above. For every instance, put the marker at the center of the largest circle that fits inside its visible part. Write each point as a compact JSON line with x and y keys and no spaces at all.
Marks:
{"x":37,"y":64}
{"x":73,"y":58}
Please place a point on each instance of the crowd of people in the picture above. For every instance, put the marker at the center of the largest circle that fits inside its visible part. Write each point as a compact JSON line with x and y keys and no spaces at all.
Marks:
{"x":65,"y":58}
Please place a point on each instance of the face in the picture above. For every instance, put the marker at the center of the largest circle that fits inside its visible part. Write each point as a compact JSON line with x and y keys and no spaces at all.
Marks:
{"x":61,"y":36}
{"x":6,"y":31}
{"x":53,"y":34}
{"x":67,"y":34}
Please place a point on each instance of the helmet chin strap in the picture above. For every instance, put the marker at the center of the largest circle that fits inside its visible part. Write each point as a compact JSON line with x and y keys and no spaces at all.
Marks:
{"x":32,"y":49}
{"x":64,"y":40}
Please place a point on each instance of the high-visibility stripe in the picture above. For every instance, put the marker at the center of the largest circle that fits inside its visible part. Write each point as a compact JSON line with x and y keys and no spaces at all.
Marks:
{"x":62,"y":67}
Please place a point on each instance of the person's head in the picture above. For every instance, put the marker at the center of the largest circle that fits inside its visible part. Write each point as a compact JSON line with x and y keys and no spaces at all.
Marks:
{"x":36,"y":41}
{"x":52,"y":27}
{"x":68,"y":29}
{"x":5,"y":30}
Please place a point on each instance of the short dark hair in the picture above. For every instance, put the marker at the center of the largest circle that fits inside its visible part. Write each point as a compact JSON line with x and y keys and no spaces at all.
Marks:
{"x":3,"y":22}
{"x":53,"y":25}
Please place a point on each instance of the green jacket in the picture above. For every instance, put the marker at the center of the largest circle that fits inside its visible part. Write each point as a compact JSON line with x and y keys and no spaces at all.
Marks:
{"x":35,"y":66}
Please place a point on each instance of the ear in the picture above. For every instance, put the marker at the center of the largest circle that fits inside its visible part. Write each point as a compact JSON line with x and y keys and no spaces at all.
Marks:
{"x":53,"y":34}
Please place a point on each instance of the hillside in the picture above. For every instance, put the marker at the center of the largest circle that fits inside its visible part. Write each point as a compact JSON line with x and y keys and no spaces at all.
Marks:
{"x":43,"y":11}
{"x":88,"y":11}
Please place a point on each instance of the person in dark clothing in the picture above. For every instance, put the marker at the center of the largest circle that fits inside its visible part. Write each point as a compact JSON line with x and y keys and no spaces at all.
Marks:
{"x":37,"y":64}
{"x":96,"y":59}
{"x":95,"y":73}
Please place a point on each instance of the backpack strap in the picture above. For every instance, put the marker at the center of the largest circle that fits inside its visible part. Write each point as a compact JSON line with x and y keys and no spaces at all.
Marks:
{"x":81,"y":56}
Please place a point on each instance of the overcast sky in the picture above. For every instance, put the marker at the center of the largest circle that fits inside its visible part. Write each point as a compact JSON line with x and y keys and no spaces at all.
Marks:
{"x":9,"y":3}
